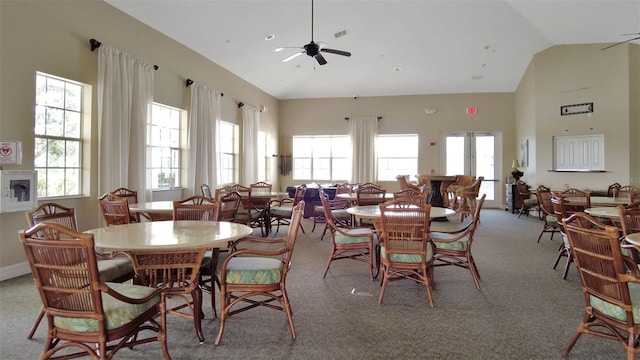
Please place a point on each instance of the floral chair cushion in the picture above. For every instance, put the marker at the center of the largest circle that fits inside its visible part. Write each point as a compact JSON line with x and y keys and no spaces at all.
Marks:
{"x":408,"y":258}
{"x":346,"y":239}
{"x":254,"y":270}
{"x":281,"y":211}
{"x":616,"y":311}
{"x":117,"y":313}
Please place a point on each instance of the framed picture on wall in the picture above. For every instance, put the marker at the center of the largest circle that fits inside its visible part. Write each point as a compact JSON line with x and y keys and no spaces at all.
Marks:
{"x":524,"y":153}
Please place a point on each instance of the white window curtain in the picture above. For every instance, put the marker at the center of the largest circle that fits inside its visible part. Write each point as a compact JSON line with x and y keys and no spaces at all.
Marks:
{"x":125,"y":94}
{"x":363,"y":132}
{"x":204,"y":114}
{"x":250,"y":128}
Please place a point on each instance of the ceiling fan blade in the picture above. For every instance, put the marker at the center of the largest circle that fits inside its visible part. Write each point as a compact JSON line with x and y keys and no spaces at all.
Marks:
{"x":338,"y":52}
{"x":321,"y":60}
{"x":621,"y":42}
{"x":293,"y":56}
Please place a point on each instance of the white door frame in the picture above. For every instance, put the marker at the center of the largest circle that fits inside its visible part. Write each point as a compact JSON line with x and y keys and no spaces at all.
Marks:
{"x":497,"y":197}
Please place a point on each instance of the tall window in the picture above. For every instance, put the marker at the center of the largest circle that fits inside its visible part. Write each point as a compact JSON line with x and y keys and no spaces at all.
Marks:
{"x":321,"y":158}
{"x":58,"y":133}
{"x":397,"y":155}
{"x":228,"y":147}
{"x":163,"y":147}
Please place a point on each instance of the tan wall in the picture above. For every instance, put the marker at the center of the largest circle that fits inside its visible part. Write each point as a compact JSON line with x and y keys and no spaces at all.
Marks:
{"x":53,"y":37}
{"x":574,"y":74}
{"x":402,"y":115}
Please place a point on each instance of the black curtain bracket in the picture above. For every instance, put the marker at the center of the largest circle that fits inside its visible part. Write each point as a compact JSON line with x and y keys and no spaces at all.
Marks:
{"x":189,"y":82}
{"x":94,"y":44}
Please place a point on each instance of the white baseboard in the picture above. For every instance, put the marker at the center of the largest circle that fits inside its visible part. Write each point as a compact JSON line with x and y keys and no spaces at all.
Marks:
{"x":11,"y":271}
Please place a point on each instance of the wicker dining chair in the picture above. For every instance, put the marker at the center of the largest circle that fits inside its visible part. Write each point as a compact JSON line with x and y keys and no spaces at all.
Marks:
{"x":550,"y":221}
{"x":565,"y":204}
{"x":115,"y":210}
{"x":200,"y":208}
{"x":206,"y":191}
{"x":411,"y":193}
{"x":195,"y":207}
{"x":406,"y":251}
{"x":111,"y":268}
{"x":337,"y":204}
{"x":454,"y":247}
{"x":609,"y":289}
{"x":258,"y":277}
{"x":529,"y":199}
{"x":280,"y":211}
{"x":84,"y":312}
{"x":132,"y":198}
{"x":253,"y":213}
{"x":347,"y":242}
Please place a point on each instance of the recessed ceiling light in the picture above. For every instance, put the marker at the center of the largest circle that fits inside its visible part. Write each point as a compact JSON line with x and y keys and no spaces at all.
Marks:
{"x":269,"y":37}
{"x":278,"y":49}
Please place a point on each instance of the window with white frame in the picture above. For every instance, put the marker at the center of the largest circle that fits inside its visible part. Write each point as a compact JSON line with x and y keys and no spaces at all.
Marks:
{"x":228,"y":152}
{"x":60,"y":117}
{"x":163,"y":146}
{"x":321,"y":158}
{"x":396,"y":155}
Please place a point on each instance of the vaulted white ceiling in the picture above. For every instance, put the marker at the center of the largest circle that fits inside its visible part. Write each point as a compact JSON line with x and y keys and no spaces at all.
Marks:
{"x":398,"y":47}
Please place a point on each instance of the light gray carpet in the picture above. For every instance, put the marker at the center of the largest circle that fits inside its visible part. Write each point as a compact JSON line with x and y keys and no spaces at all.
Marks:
{"x":524,"y":310}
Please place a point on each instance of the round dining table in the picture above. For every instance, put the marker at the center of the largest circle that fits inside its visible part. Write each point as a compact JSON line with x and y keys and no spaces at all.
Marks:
{"x":158,"y":248}
{"x":372,"y":212}
{"x":168,"y":235}
{"x":608,"y":212}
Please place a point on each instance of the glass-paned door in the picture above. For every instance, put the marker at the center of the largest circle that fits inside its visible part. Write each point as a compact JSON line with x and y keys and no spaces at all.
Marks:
{"x":478,"y":154}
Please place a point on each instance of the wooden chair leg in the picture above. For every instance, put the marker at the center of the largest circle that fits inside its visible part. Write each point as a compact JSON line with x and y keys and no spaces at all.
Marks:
{"x":35,"y":324}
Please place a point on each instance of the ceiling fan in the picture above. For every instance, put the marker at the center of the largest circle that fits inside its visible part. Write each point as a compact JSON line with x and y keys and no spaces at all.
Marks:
{"x":622,"y":42}
{"x":314,"y":49}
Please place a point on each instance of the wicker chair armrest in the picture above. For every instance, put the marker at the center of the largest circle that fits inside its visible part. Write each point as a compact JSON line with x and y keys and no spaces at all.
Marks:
{"x":254,"y":252}
{"x":233,"y":245}
{"x":106,"y":289}
{"x":461,"y":235}
{"x":343,"y":232}
{"x":337,"y":204}
{"x":112,"y":255}
{"x":464,"y":229}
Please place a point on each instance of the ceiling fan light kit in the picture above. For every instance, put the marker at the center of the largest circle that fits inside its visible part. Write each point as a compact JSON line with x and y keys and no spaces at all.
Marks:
{"x":315,"y":49}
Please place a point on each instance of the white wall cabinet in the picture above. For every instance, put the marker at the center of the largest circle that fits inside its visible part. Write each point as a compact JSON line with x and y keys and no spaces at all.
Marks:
{"x":578,"y":153}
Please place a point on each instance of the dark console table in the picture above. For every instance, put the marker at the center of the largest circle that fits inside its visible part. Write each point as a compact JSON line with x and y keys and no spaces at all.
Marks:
{"x":312,"y":197}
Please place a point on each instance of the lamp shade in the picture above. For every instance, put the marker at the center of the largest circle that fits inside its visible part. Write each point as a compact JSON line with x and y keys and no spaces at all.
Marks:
{"x":515,"y":164}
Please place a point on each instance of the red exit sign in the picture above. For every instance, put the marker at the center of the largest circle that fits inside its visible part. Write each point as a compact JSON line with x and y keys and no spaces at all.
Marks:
{"x":472,"y":111}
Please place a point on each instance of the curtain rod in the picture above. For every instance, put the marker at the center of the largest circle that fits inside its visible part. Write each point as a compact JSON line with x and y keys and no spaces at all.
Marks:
{"x":96,"y":44}
{"x":189,"y":82}
{"x":379,"y":118}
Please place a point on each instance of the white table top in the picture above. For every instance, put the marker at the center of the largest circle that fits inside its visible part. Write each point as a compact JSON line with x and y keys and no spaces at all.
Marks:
{"x":603,"y":211}
{"x":633,"y":238}
{"x":258,"y":193}
{"x":609,"y":201}
{"x":354,"y":196}
{"x":373,"y":211}
{"x":163,"y":235}
{"x":152,"y":207}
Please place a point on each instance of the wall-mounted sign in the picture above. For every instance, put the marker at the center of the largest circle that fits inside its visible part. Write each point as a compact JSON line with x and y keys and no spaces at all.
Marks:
{"x":576,"y":109}
{"x":10,"y":152}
